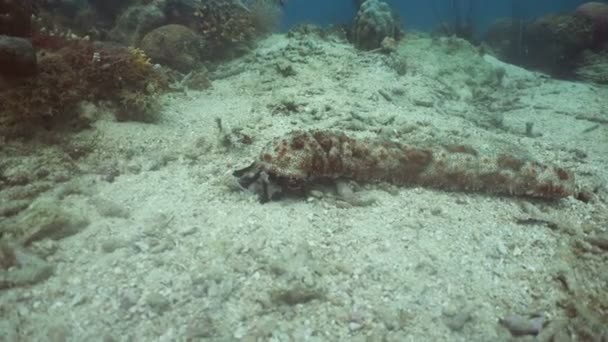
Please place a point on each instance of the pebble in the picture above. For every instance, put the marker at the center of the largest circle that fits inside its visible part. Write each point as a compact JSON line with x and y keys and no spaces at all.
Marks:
{"x":436,"y":211}
{"x":344,"y":189}
{"x":57,"y":333}
{"x":204,"y":328}
{"x":78,"y":299}
{"x":456,"y":315}
{"x":129,"y":299}
{"x":110,"y":245}
{"x":188,"y":230}
{"x":522,"y":325}
{"x":47,"y":220}
{"x":457,"y":321}
{"x":158,"y":303}
{"x":354,"y":326}
{"x":316,"y":194}
{"x":107,"y":208}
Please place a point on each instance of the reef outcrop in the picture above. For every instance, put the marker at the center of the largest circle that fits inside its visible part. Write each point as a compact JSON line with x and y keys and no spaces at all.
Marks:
{"x":374,"y":22}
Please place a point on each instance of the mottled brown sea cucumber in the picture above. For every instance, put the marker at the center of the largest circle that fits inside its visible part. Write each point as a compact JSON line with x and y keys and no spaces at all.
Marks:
{"x":304,"y":157}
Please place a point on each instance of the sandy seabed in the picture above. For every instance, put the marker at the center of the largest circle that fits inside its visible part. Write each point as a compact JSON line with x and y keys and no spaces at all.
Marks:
{"x":165,"y":247}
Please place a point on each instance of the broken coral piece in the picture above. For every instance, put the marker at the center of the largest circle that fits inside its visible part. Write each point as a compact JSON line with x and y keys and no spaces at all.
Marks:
{"x":301,"y":158}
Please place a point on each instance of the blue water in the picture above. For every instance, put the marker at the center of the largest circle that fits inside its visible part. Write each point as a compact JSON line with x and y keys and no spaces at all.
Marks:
{"x":420,"y":14}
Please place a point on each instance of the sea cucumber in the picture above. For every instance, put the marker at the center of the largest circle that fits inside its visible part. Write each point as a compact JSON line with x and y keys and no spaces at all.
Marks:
{"x":301,"y":158}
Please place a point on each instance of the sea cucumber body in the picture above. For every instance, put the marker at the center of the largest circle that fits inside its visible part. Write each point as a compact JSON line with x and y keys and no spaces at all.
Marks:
{"x":309,"y":156}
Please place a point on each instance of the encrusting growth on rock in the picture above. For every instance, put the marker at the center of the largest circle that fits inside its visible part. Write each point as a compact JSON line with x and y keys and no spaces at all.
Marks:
{"x":303,"y":157}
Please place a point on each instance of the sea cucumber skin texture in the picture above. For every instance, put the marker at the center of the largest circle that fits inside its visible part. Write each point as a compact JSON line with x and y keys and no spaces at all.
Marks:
{"x":307,"y":156}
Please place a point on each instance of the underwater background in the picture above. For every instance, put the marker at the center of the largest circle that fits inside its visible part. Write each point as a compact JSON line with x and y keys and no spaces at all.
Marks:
{"x":420,"y":14}
{"x":303,"y":171}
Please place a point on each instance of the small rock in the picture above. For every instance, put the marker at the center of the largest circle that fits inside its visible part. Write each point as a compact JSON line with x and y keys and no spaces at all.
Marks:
{"x":7,"y":256}
{"x":423,"y":103}
{"x":523,"y":325}
{"x":399,"y":91}
{"x":436,"y":211}
{"x":110,"y":245}
{"x":57,"y":333}
{"x":108,"y":338}
{"x":158,"y":303}
{"x":285,"y":68}
{"x":386,"y":95}
{"x":198,"y":80}
{"x":129,"y":298}
{"x":188,"y":231}
{"x":28,"y":269}
{"x":354,"y":326}
{"x":9,"y":329}
{"x":316,"y":194}
{"x":457,"y":321}
{"x":343,"y":189}
{"x":456,"y":315}
{"x":204,"y":328}
{"x":47,"y":220}
{"x":11,"y":208}
{"x":296,"y":295}
{"x":388,"y":45}
{"x":44,"y":248}
{"x":108,"y":208}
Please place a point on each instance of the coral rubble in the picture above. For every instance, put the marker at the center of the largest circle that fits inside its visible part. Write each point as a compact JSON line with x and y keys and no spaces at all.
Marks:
{"x":300,"y":158}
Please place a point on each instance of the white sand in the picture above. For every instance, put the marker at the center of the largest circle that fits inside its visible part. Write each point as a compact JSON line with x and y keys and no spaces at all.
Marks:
{"x":197,"y":260}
